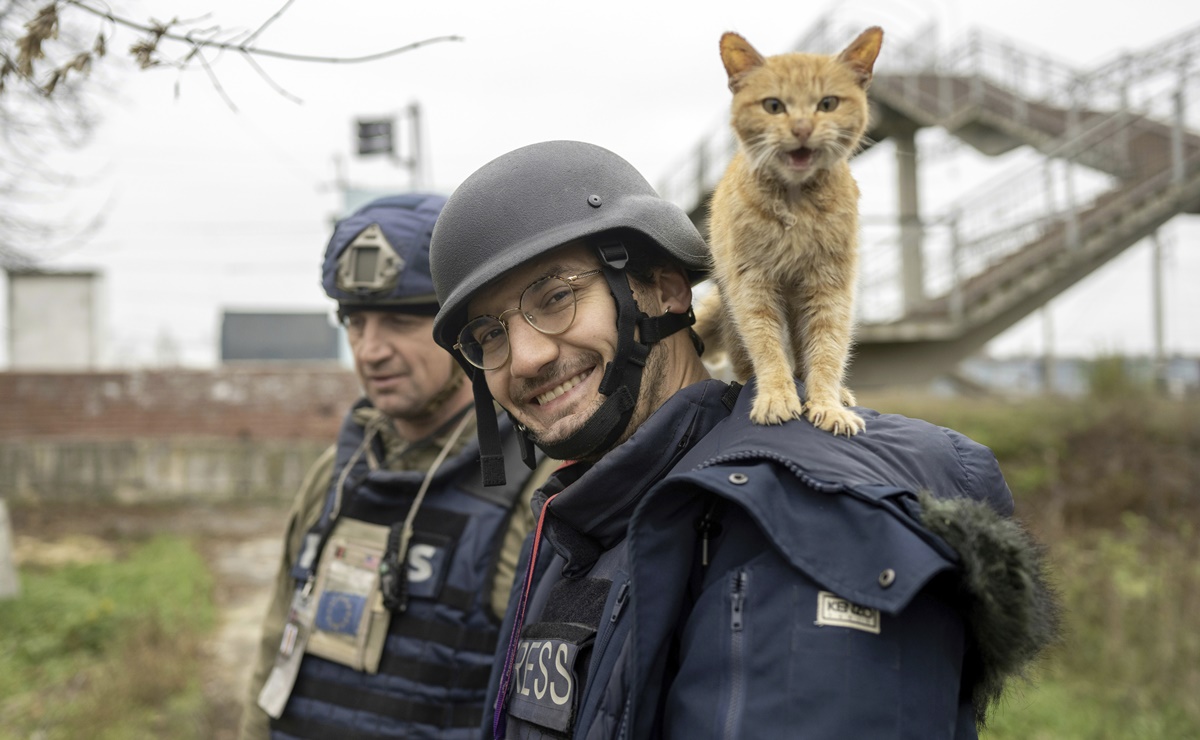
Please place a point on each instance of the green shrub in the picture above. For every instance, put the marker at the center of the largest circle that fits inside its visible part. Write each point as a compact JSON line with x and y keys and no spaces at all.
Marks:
{"x":107,"y":649}
{"x":1112,"y":377}
{"x":1130,"y":664}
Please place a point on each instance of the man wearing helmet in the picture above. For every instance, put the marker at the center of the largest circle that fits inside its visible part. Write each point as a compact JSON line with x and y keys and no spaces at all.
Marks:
{"x":398,"y":562}
{"x":694,"y":575}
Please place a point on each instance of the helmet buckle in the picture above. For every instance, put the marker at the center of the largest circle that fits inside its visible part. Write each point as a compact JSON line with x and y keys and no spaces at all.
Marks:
{"x":613,"y":254}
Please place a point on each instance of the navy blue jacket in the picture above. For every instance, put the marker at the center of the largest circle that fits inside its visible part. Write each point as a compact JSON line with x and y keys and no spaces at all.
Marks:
{"x":713,"y":578}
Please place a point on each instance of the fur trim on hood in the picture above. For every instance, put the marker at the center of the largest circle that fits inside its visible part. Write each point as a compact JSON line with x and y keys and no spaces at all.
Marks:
{"x":1013,"y":612}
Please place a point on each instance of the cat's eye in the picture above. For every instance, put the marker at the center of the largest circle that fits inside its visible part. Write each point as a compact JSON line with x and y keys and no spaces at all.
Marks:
{"x":773,"y":105}
{"x":828,"y":103}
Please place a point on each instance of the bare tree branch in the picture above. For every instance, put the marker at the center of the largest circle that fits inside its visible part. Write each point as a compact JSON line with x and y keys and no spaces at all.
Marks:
{"x":269,"y":21}
{"x":48,"y":47}
{"x":274,"y":85}
{"x":160,"y":31}
{"x":215,"y":82}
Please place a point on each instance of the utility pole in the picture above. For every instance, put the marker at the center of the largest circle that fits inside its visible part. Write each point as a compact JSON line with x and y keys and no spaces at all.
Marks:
{"x":10,"y":586}
{"x":1049,"y":386}
{"x":1156,"y":297}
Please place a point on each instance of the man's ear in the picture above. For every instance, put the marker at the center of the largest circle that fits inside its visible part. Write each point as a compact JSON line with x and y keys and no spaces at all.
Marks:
{"x":674,"y":289}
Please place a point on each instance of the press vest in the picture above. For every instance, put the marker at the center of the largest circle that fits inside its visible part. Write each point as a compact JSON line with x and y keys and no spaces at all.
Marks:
{"x":438,"y":652}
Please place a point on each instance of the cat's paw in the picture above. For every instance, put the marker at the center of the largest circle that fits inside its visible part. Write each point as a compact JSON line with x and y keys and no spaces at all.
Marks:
{"x":776,"y":407}
{"x":848,"y":397}
{"x":834,"y":418}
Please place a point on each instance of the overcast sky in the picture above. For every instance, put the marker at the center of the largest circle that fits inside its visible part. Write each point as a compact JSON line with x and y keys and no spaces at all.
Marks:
{"x":208,"y":208}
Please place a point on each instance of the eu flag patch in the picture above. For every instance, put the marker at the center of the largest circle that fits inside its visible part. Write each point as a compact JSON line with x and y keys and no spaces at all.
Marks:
{"x":339,"y":612}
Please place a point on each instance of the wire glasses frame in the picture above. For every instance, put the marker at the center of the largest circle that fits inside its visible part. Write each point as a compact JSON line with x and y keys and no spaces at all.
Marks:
{"x":547,"y":304}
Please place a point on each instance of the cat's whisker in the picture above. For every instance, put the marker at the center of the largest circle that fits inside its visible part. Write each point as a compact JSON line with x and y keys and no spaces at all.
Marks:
{"x":760,"y":151}
{"x":864,"y":142}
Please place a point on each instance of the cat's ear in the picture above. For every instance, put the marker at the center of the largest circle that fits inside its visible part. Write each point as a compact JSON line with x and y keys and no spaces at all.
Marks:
{"x":861,"y":53}
{"x":739,"y":57}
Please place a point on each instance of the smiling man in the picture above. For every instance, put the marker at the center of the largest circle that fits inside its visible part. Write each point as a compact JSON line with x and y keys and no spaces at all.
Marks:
{"x":398,"y":561}
{"x":553,"y":386}
{"x":693,"y":575}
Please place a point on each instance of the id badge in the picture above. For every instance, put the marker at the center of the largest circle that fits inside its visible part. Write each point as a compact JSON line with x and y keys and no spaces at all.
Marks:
{"x":278,"y":688}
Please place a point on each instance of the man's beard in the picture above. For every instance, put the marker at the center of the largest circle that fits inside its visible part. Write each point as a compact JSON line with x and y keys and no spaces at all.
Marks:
{"x":651,"y":395}
{"x":585,"y":360}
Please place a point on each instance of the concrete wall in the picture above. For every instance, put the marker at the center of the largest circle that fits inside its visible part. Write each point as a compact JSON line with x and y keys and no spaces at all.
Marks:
{"x":237,"y":433}
{"x":52,"y":320}
{"x":155,"y":470}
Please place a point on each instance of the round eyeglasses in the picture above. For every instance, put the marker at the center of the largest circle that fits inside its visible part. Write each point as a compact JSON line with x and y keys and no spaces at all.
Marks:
{"x":548,"y":305}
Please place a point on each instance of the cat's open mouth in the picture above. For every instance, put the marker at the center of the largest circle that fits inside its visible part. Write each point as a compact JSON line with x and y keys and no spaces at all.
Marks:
{"x":801,"y":158}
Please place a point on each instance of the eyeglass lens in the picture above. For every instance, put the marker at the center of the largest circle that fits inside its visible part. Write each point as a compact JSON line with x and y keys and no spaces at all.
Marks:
{"x":548,"y":305}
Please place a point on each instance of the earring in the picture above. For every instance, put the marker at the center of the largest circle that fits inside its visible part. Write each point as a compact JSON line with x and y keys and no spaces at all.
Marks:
{"x":667,"y":310}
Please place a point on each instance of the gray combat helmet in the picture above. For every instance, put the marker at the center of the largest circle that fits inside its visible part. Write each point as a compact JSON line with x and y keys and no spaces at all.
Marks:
{"x":536,"y":198}
{"x":527,"y":203}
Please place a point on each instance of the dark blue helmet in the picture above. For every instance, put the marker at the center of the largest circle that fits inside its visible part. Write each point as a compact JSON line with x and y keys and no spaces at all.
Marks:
{"x":378,"y":257}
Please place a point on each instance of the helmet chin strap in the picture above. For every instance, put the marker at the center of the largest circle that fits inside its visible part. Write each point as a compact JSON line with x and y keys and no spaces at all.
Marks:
{"x":620,"y":384}
{"x":622,"y":378}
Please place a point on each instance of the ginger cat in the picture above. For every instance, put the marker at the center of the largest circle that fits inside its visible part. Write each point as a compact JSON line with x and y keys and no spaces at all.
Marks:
{"x":783,"y":228}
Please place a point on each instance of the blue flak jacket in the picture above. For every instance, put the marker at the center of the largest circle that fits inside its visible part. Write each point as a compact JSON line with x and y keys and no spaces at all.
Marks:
{"x":711,"y":578}
{"x":436,"y":658}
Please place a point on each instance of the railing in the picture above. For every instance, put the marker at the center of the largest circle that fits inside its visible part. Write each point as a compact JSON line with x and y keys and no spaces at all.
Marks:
{"x":956,"y":250}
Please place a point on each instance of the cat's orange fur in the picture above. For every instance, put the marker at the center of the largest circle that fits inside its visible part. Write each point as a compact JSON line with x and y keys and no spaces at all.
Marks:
{"x":783,"y":228}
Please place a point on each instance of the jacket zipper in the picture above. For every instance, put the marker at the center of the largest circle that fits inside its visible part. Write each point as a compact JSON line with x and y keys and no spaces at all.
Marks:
{"x":622,"y":596}
{"x":737,"y":603}
{"x":610,"y":626}
{"x":618,"y":605}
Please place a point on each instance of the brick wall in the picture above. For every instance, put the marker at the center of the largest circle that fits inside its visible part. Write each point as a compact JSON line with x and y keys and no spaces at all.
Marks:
{"x":167,"y":435}
{"x":293,"y":402}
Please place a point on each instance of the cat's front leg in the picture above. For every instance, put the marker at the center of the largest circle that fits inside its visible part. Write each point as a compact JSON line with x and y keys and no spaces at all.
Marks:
{"x":776,"y":403}
{"x":823,"y":329}
{"x":760,"y":317}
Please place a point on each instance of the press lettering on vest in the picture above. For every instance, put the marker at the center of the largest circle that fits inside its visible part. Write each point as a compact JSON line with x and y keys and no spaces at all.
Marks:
{"x":539,"y":687}
{"x":532,"y":648}
{"x":559,"y":665}
{"x":427,"y":564}
{"x":834,"y":611}
{"x":420,"y":562}
{"x":543,"y":683}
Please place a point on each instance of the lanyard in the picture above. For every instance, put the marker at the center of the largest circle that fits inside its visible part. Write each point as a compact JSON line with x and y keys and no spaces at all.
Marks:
{"x":498,"y":719}
{"x":314,"y":541}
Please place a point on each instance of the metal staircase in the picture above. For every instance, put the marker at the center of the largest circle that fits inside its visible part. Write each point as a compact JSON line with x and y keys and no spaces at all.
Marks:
{"x":1117,"y":156}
